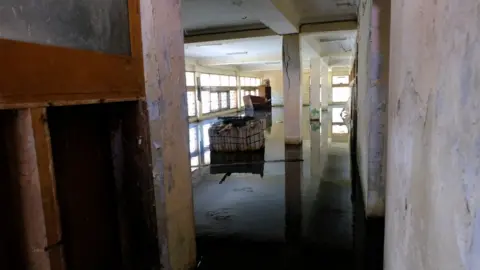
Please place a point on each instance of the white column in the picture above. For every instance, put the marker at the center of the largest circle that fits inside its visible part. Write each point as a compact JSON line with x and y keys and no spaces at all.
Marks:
{"x":291,"y":89}
{"x":315,"y":81}
{"x":326,"y":84}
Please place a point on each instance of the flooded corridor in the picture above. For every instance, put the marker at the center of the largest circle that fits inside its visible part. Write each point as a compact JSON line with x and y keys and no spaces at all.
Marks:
{"x":281,"y":208}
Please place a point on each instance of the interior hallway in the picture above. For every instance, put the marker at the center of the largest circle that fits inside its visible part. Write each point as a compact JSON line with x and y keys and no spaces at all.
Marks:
{"x":294,"y":210}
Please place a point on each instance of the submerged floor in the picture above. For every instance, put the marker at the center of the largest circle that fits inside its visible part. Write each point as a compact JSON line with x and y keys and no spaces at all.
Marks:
{"x":281,"y":208}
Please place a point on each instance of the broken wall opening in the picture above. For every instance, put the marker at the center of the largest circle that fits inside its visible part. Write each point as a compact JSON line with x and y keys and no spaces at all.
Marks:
{"x":100,"y":155}
{"x":11,"y":235}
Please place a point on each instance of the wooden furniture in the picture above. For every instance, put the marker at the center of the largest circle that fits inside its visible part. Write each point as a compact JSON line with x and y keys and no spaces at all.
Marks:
{"x":265,"y":91}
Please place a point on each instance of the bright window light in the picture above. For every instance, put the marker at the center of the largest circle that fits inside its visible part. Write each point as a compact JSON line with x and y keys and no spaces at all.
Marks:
{"x":340,"y":94}
{"x":205,"y":101}
{"x":233,"y":99}
{"x":214,"y":101}
{"x":339,"y":129}
{"x":206,"y":137}
{"x":193,"y":139}
{"x":340,"y":80}
{"x":214,"y":80}
{"x":336,"y":117}
{"x":233,"y":81}
{"x":205,"y":80}
{"x":206,"y":157}
{"x":224,"y":100}
{"x":191,"y":103}
{"x":224,"y":80}
{"x":190,"y":78}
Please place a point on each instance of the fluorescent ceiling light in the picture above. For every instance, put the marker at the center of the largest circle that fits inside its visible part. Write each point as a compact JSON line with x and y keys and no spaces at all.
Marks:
{"x":209,"y":44}
{"x":272,"y":63}
{"x":237,"y":53}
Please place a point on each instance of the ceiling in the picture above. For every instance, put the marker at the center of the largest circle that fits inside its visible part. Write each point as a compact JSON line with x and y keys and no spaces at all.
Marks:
{"x":198,"y":15}
{"x":253,"y":46}
{"x":214,"y":17}
{"x":210,"y":16}
{"x":265,"y":53}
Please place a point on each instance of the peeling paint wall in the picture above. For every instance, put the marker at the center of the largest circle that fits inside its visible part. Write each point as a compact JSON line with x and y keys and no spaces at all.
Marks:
{"x":373,"y":50}
{"x":433,"y":187}
{"x":81,"y":24}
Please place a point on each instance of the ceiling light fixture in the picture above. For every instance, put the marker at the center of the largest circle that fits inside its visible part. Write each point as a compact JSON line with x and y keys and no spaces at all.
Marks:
{"x":272,"y":63}
{"x":237,"y":53}
{"x":209,"y":44}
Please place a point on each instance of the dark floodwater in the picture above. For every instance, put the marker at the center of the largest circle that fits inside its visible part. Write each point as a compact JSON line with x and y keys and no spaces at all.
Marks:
{"x":284,"y":207}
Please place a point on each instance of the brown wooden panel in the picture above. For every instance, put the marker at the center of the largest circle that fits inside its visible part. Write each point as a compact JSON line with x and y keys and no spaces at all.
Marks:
{"x":47,"y":184}
{"x":39,"y":74}
{"x":80,"y":138}
{"x":135,"y":30}
{"x":34,"y":215}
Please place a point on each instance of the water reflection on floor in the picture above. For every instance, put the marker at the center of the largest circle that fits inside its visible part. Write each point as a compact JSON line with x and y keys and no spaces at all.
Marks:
{"x":281,"y":208}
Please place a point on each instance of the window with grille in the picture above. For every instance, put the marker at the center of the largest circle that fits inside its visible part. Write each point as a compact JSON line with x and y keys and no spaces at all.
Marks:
{"x":218,"y":92}
{"x":224,"y":100}
{"x":191,"y":104}
{"x":205,"y":136}
{"x":233,"y":99}
{"x":214,"y":101}
{"x":242,"y":94}
{"x":193,"y":140}
{"x":248,"y":81}
{"x":205,"y":102}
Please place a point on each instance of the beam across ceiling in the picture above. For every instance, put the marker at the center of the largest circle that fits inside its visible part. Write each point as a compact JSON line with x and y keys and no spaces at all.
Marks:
{"x":314,"y":28}
{"x":279,"y":15}
{"x":240,"y":60}
{"x":230,"y":35}
{"x":306,"y":30}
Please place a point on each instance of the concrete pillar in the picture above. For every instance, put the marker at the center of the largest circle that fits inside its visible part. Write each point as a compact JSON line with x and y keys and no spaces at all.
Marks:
{"x":291,"y":88}
{"x":326,"y":87}
{"x":164,"y":71}
{"x":315,"y":81}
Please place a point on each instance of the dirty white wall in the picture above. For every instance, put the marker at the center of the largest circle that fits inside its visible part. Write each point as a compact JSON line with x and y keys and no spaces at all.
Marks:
{"x":276,"y":82}
{"x":433,"y":187}
{"x":372,"y":94}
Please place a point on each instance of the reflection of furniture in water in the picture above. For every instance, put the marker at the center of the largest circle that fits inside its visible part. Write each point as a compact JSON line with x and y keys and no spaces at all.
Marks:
{"x":237,"y":162}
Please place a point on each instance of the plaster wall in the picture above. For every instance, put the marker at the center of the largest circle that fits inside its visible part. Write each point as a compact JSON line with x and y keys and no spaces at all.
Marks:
{"x":433,"y":173}
{"x":373,"y":60}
